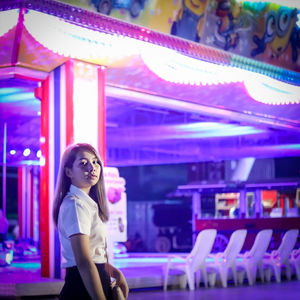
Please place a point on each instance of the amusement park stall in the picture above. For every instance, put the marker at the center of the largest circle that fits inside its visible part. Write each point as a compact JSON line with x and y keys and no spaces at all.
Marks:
{"x":149,"y":87}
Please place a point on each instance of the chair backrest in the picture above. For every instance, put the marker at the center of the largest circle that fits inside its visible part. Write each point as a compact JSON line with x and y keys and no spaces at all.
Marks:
{"x":235,"y":244}
{"x":287,"y":244}
{"x":202,"y":247}
{"x":260,"y":245}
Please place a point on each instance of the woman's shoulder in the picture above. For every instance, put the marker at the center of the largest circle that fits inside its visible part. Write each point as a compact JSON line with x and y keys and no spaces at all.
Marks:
{"x":72,"y":200}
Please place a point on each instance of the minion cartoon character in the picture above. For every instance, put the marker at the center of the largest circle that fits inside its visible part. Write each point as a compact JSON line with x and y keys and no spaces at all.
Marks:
{"x":226,"y":35}
{"x":188,"y":23}
{"x":280,"y":32}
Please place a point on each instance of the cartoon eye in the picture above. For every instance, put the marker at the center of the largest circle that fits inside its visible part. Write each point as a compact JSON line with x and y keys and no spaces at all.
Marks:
{"x":271,"y":26}
{"x":283,"y":23}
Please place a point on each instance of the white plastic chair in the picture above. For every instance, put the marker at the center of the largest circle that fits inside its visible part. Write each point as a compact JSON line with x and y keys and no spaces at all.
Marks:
{"x":251,"y":260}
{"x":222,"y":262}
{"x":195,"y":261}
{"x":295,"y":261}
{"x":273,"y":261}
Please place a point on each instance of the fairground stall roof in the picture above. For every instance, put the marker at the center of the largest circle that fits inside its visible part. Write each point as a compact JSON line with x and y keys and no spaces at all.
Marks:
{"x":168,"y":100}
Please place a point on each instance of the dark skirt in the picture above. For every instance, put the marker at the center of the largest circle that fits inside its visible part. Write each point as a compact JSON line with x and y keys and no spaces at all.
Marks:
{"x":74,"y":288}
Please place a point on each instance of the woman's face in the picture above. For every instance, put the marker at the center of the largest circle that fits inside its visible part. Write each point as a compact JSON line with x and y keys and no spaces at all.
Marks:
{"x":85,"y":171}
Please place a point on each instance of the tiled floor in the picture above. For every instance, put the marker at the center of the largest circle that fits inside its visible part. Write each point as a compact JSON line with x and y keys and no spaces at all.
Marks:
{"x":287,"y":290}
{"x":144,"y":276}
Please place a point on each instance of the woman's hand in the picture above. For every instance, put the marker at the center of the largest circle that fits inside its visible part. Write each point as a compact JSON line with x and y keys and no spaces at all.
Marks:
{"x":121,"y":282}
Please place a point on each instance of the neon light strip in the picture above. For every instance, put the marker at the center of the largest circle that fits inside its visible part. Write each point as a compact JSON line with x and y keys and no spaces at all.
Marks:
{"x":44,"y":179}
{"x":168,"y":64}
{"x":287,"y":3}
{"x":101,"y":114}
{"x":20,"y":194}
{"x":75,"y":41}
{"x":178,"y":68}
{"x":85,"y":112}
{"x":184,"y":106}
{"x":271,"y":91}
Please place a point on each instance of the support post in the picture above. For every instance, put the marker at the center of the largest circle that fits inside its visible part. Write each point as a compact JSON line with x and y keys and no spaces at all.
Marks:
{"x":72,"y":111}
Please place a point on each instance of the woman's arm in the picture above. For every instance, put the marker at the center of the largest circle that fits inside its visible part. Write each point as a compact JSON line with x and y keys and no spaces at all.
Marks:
{"x":120,"y":278}
{"x":87,"y":268}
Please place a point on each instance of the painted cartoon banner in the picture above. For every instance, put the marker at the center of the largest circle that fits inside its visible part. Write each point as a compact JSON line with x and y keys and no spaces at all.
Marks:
{"x":260,"y":30}
{"x":117,"y":204}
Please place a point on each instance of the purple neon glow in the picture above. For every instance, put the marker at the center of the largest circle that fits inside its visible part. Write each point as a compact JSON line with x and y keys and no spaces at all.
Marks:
{"x":190,"y":131}
{"x":272,"y":184}
{"x":82,"y":43}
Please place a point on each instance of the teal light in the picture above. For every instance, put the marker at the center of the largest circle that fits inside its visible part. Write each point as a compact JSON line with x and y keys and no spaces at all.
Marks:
{"x":289,"y":146}
{"x":28,"y":265}
{"x":276,"y":89}
{"x":9,"y":91}
{"x":16,"y":97}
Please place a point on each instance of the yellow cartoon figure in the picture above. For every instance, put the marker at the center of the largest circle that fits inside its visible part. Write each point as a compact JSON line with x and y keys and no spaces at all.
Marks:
{"x":281,"y":31}
{"x":188,"y":20}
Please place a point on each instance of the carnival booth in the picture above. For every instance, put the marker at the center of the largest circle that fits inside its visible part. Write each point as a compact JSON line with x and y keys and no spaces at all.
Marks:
{"x":158,"y":82}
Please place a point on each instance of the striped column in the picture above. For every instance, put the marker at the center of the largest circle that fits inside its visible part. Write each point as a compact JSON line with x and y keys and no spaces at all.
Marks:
{"x":72,"y":110}
{"x":28,"y":194}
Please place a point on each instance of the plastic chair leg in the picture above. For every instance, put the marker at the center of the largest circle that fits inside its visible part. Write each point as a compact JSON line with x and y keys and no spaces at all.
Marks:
{"x":204,"y":274}
{"x":182,"y":281}
{"x":212,"y":279}
{"x":277,"y":273}
{"x":288,"y":270}
{"x":297,"y":269}
{"x":166,"y":274}
{"x":191,"y":280}
{"x":234,"y":274}
{"x":241,"y":276}
{"x":268,"y":273}
{"x":223,"y":275}
{"x":197,"y":278}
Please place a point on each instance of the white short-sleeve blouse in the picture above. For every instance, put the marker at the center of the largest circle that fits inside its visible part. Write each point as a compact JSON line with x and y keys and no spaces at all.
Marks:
{"x":78,"y":213}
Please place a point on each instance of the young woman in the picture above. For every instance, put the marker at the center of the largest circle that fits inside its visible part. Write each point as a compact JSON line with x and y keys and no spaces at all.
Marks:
{"x":80,"y":212}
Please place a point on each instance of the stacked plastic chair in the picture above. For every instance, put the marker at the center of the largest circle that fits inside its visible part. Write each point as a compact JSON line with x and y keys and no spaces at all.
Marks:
{"x":295,"y":261}
{"x":274,"y":261}
{"x":250,"y":261}
{"x":194,"y":262}
{"x":221,"y":263}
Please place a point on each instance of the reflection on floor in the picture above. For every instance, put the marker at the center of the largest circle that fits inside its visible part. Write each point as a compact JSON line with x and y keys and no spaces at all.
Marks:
{"x":144,"y":275}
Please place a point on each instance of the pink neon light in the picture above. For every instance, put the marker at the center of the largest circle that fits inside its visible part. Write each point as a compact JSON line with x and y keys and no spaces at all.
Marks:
{"x":44,"y":179}
{"x":101,"y":114}
{"x":85,"y":112}
{"x":69,"y":70}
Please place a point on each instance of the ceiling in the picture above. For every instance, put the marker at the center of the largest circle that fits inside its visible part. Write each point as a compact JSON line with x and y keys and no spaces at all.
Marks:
{"x":149,"y":120}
